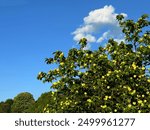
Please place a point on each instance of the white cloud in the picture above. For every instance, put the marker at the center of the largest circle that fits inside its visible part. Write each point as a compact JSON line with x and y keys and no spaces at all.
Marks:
{"x":89,"y":37}
{"x":119,"y":40}
{"x":101,"y":16}
{"x":104,"y":36}
{"x":100,"y":20}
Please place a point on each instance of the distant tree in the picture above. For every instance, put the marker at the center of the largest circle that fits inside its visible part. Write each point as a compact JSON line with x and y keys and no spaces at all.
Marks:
{"x":22,"y":102}
{"x":46,"y":99}
{"x":1,"y":107}
{"x":5,"y":107}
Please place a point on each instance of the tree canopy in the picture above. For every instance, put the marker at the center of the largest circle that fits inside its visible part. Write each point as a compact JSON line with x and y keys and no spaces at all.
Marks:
{"x":22,"y":102}
{"x":114,"y":78}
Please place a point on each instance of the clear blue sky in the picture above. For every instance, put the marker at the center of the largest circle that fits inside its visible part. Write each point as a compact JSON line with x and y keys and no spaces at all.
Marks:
{"x":30,"y":30}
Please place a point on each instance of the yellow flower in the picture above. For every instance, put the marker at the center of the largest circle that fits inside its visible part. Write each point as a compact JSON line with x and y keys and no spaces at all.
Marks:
{"x":94,"y":87}
{"x":108,"y":87}
{"x":89,"y":100}
{"x":134,"y":103}
{"x":114,"y":61}
{"x":133,"y":92}
{"x":61,"y":55}
{"x":129,"y":105}
{"x":91,"y":55}
{"x":134,"y":65}
{"x":148,"y":80}
{"x":103,"y":106}
{"x":103,"y":77}
{"x":94,"y":65}
{"x":55,"y":83}
{"x":117,"y":76}
{"x":129,"y":89}
{"x":77,"y":91}
{"x":83,"y":84}
{"x":143,"y":68}
{"x":109,"y":97}
{"x":75,"y":102}
{"x":108,"y":74}
{"x":87,"y":54}
{"x":85,"y":65}
{"x":61,"y":63}
{"x":85,"y":93}
{"x":143,"y":95}
{"x":140,"y":101}
{"x":115,"y":110}
{"x":106,"y":98}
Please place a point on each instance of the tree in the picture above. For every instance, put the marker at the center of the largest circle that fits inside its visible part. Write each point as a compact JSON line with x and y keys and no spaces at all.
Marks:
{"x":114,"y":78}
{"x":5,"y":107}
{"x":2,"y":107}
{"x":43,"y":100}
{"x":22,"y":102}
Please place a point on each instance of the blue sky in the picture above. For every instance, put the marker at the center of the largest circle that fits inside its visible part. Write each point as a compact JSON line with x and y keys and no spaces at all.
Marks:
{"x":30,"y":30}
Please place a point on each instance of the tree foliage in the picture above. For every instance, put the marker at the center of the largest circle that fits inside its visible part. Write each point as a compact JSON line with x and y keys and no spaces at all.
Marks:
{"x":22,"y":102}
{"x":42,"y":101}
{"x":114,"y":78}
{"x":5,"y":107}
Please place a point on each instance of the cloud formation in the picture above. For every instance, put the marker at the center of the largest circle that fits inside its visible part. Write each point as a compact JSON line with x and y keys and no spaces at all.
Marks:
{"x":100,"y":20}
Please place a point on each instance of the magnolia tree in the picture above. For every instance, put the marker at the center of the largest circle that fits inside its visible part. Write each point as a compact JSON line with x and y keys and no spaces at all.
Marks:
{"x":114,"y":78}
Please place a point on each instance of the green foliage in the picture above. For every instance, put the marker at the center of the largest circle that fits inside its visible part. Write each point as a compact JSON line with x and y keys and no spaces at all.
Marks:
{"x":22,"y":102}
{"x":5,"y":107}
{"x":43,"y":100}
{"x":114,"y":78}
